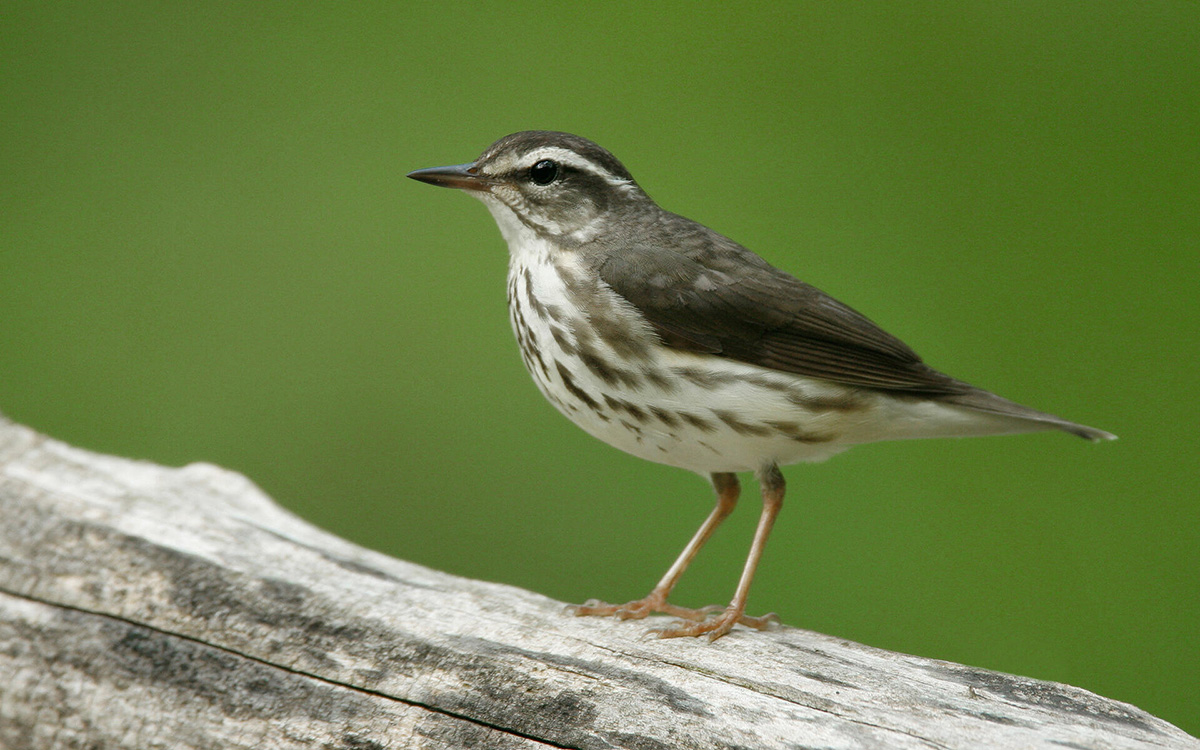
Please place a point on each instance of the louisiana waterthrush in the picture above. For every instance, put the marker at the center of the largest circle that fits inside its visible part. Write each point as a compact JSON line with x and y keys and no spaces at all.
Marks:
{"x":676,"y":344}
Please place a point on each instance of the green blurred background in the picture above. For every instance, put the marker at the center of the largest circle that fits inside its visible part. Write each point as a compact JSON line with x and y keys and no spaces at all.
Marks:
{"x":209,"y":252}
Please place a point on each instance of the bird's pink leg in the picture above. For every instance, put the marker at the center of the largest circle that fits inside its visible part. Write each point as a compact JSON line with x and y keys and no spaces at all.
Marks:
{"x":727,"y":487}
{"x":772,"y":495}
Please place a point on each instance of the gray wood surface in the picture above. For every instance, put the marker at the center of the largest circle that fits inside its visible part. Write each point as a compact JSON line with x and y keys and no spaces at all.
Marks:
{"x":151,"y":607}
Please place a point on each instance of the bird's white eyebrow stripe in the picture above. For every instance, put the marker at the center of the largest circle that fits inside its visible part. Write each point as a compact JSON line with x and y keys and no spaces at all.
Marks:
{"x":574,"y":160}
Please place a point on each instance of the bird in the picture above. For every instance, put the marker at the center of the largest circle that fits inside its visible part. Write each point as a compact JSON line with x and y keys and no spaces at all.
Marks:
{"x":677,"y":345}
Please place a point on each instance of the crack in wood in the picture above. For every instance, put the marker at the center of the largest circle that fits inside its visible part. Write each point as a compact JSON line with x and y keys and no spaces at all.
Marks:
{"x":283,"y":667}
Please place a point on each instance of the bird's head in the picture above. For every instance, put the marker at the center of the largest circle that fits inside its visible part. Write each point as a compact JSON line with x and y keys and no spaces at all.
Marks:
{"x":563,"y":188}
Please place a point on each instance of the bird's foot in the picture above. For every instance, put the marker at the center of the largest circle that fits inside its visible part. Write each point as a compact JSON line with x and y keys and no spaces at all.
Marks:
{"x":694,"y":622}
{"x":640,"y":608}
{"x":716,"y":627}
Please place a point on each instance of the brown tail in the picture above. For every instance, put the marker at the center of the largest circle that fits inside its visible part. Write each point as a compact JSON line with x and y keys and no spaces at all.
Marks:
{"x":985,"y":401}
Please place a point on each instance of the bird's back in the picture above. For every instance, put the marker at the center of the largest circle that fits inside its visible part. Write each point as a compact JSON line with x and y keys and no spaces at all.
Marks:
{"x":702,"y":292}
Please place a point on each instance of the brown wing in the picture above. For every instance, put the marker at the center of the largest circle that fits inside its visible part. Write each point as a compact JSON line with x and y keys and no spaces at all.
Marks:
{"x":709,"y":294}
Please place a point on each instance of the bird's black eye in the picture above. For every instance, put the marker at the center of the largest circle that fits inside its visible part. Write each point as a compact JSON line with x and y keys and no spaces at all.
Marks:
{"x":544,"y":172}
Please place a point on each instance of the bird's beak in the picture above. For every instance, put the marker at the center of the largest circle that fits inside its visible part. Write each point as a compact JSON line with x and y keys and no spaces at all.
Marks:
{"x":463,"y":176}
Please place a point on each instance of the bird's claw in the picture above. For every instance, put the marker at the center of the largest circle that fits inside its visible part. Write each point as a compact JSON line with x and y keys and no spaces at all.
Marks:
{"x":635,"y":610}
{"x":693,"y":622}
{"x":641,"y":608}
{"x":716,"y":627}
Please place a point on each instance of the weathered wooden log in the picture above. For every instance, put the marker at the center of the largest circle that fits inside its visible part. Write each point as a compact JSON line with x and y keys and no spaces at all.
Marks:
{"x":147,"y":607}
